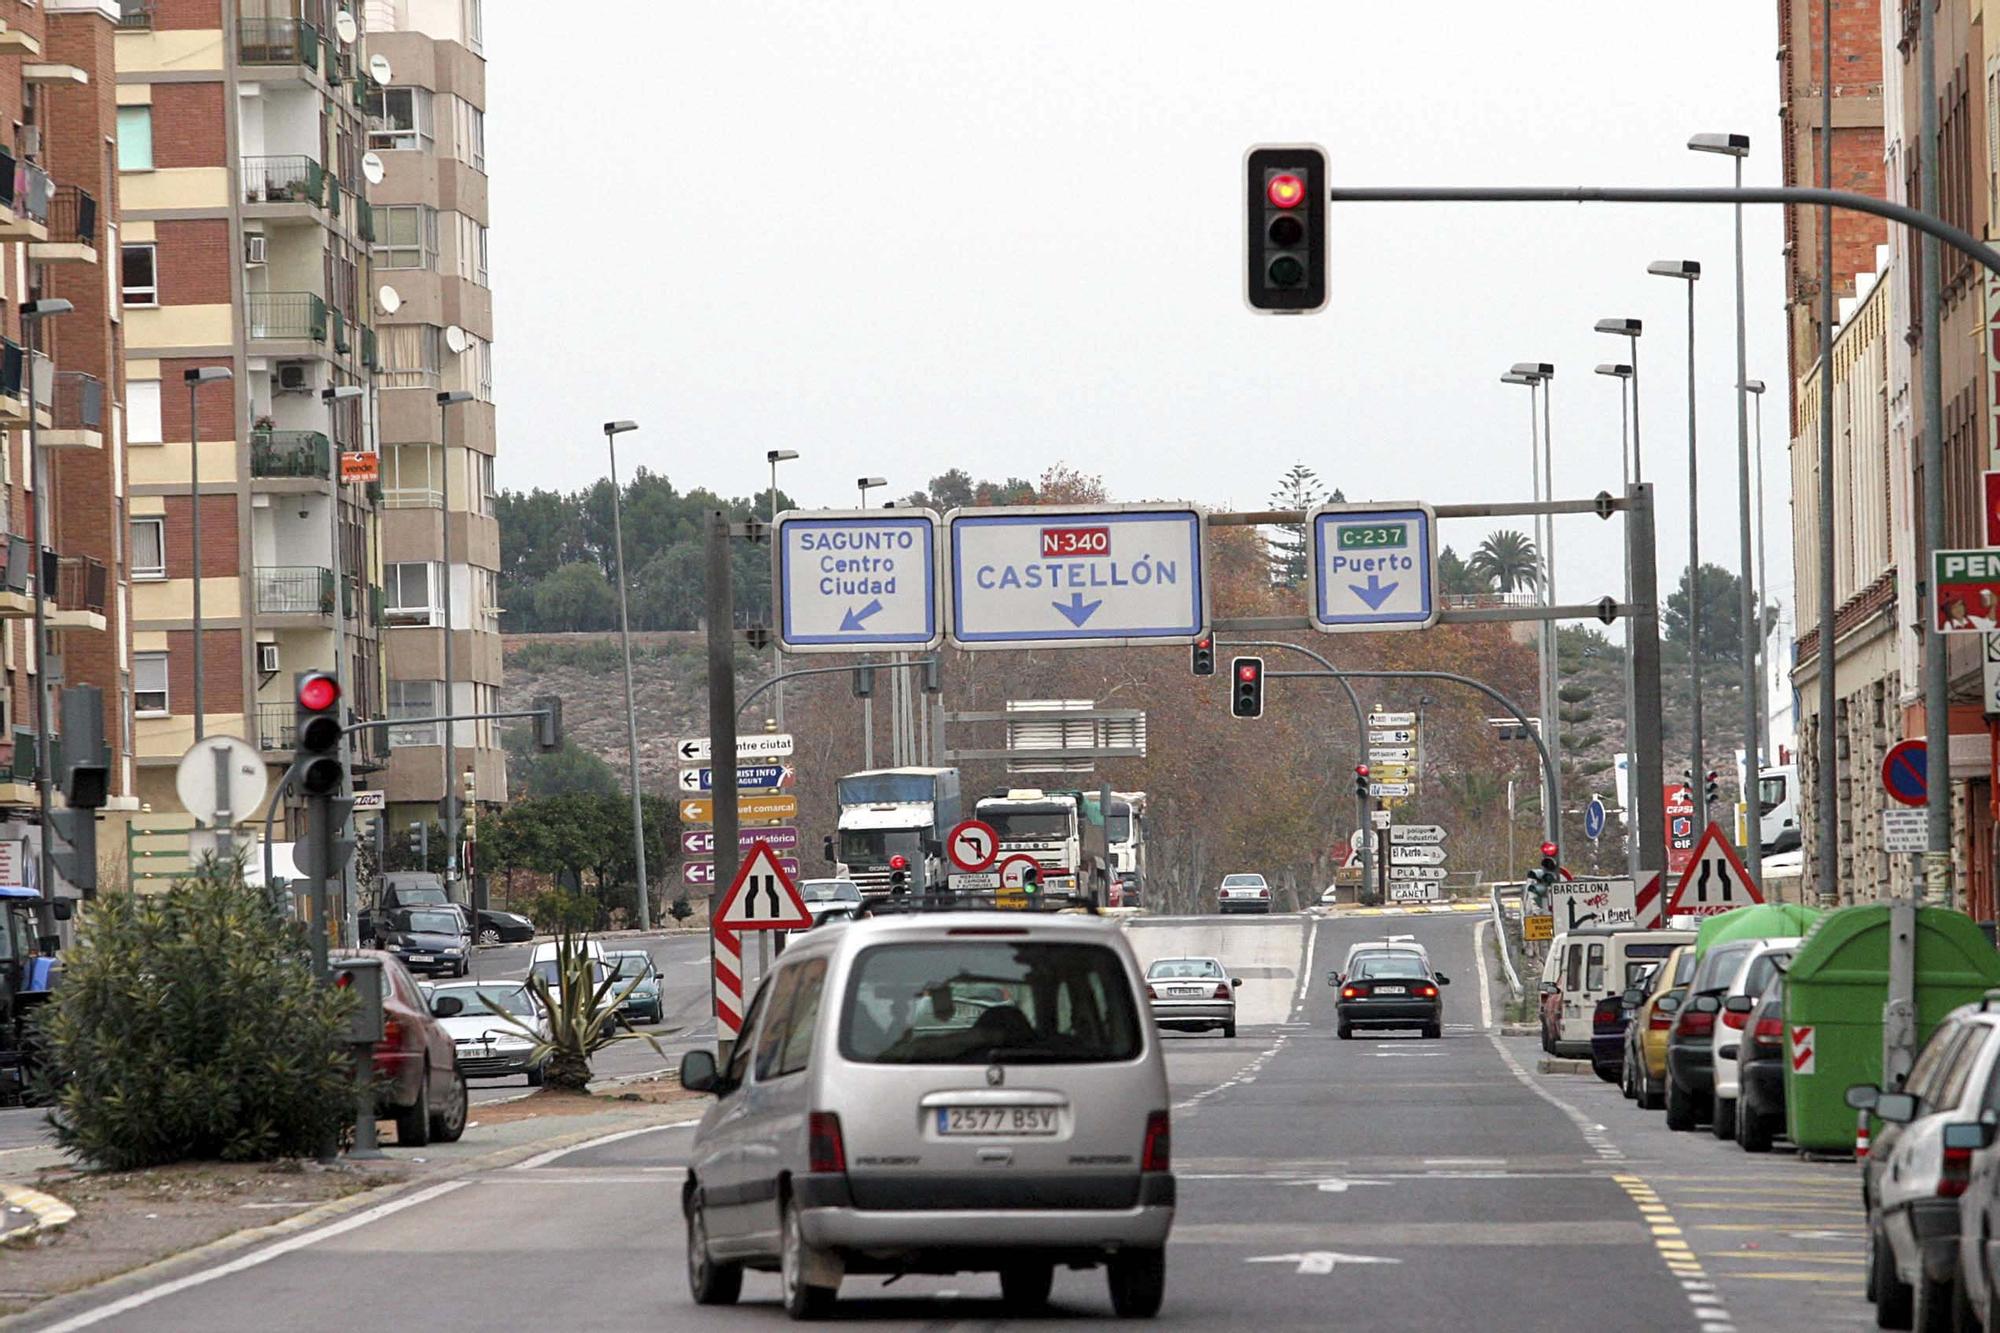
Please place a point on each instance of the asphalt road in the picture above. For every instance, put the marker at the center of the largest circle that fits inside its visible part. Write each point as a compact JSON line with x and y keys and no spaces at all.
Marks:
{"x":1387,"y":1182}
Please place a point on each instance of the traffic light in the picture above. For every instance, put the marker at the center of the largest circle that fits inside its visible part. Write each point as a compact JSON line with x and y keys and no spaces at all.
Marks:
{"x":1713,"y":786}
{"x":933,"y":677}
{"x":1201,"y":656}
{"x":549,"y":726}
{"x":316,"y":732}
{"x":86,"y":770}
{"x":1285,"y":227}
{"x":1246,"y":697}
{"x":864,"y":681}
{"x":1542,"y":879}
{"x":1361,"y":781}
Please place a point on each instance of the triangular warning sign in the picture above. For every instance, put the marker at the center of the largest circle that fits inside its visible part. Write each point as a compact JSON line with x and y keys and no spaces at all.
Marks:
{"x":763,"y":896}
{"x":1715,"y":880}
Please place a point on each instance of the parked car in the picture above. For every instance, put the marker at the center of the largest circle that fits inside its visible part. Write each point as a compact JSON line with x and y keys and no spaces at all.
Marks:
{"x":1913,"y":1179}
{"x":488,"y":1045}
{"x":1243,"y":893}
{"x":1760,"y":1106}
{"x":1391,"y":990}
{"x":401,"y":890}
{"x":1645,"y":1071}
{"x":1608,"y":1022}
{"x":883,"y":1070}
{"x":418,"y":1081}
{"x":1691,"y":1040}
{"x":497,"y":927}
{"x":428,"y":939}
{"x":830,"y":899}
{"x":1192,"y":993}
{"x":1593,"y":964}
{"x":1765,"y":964}
{"x":635,"y":968}
{"x":1549,"y":1004}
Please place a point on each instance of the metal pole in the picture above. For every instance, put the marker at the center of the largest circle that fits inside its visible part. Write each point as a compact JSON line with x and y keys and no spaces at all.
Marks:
{"x":1699,"y":771}
{"x":1937,"y":890}
{"x":1763,"y":658}
{"x":1826,"y":791}
{"x":450,"y":803}
{"x":194,"y":539}
{"x":44,"y":761}
{"x":1638,"y":470}
{"x":1625,"y":416}
{"x":1541,"y":579}
{"x":1553,"y":662}
{"x":631,"y":709}
{"x":777,"y":642}
{"x":1645,"y":783}
{"x":721,"y":722}
{"x":868,"y":732}
{"x":1753,"y":851}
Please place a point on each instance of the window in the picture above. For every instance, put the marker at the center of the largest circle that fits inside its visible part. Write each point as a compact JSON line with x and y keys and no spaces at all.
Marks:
{"x":406,"y":593}
{"x":739,"y":1059}
{"x":489,"y":498}
{"x":476,"y":139}
{"x":481,"y":279}
{"x":1575,"y":968}
{"x":1593,"y":981}
{"x":777,"y":1027}
{"x":149,"y":684}
{"x":410,"y":355}
{"x":135,"y":138}
{"x":415,"y":698}
{"x":111,"y":245}
{"x":804,"y":1018}
{"x":472,"y":369}
{"x":149,"y":548}
{"x":399,"y":118}
{"x":475,"y":26}
{"x":486,"y":596}
{"x":406,"y":236}
{"x":139,"y":273}
{"x":142,"y":412}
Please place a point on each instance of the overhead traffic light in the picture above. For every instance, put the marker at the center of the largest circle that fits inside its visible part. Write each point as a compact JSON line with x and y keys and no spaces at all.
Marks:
{"x":1246,"y":697}
{"x":1361,"y":781}
{"x":1285,"y":225}
{"x":316,"y":729}
{"x":1201,"y":656}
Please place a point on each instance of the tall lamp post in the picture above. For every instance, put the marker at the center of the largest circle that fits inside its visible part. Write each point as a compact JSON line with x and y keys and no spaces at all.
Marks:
{"x":1756,"y":388}
{"x":612,"y":430}
{"x":1630,"y":329}
{"x":1544,"y":372}
{"x":865,"y":485}
{"x":331,"y":395}
{"x":1622,"y":372}
{"x":1528,"y":374}
{"x":32,"y":315}
{"x":195,"y":378}
{"x":1689,"y":271}
{"x":446,"y":400}
{"x":775,"y":457}
{"x":1737,"y":147}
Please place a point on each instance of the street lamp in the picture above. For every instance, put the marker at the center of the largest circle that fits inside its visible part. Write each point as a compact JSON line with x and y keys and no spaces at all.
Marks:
{"x":1625,"y":374}
{"x":612,"y":430}
{"x":1537,"y":374}
{"x":1689,"y":271}
{"x":344,"y":393}
{"x":195,"y":378}
{"x":1629,"y":329}
{"x":1737,"y":147}
{"x":446,"y":400}
{"x":867,"y":484}
{"x":1756,"y":388}
{"x":32,"y":315}
{"x":775,"y":457}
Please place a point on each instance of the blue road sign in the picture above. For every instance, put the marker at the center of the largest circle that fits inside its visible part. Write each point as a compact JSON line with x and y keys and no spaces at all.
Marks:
{"x":857,"y":579}
{"x":749,"y":777}
{"x":1062,"y":577}
{"x":1593,"y":818}
{"x":1906,"y":772}
{"x":1373,"y":567}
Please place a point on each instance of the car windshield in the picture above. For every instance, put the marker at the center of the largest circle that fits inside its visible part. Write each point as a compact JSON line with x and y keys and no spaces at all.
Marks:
{"x":412,"y":895}
{"x":874,"y":846}
{"x":830,"y":891}
{"x":431,"y":923}
{"x":1031,"y":824}
{"x":485,"y":999}
{"x":1237,"y":881}
{"x":1763,"y":971}
{"x":630,"y":964}
{"x":1719,"y":968}
{"x":954,"y":1002}
{"x":1386,"y":965}
{"x":546,"y":970}
{"x":1185,"y":967}
{"x":1770,"y":794}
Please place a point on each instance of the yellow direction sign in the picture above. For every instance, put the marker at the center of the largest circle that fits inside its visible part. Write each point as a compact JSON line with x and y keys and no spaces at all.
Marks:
{"x":1392,"y":772}
{"x":1538,"y":926}
{"x":701,"y":810}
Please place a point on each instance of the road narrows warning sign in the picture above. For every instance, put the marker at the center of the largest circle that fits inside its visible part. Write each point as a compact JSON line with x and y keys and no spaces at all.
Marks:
{"x":1714,"y":881}
{"x":763,"y":896}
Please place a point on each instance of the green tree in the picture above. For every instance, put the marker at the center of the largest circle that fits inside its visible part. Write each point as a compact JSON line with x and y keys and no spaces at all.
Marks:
{"x":1455,"y":577}
{"x":1507,"y":561}
{"x":1721,"y":614}
{"x":1300,"y":489}
{"x":576,"y":597}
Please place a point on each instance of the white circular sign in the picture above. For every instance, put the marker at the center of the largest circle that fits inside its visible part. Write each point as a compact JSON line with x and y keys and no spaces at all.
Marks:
{"x":972,"y":846}
{"x":372,"y":168}
{"x":389,"y":299}
{"x":1014,"y":870}
{"x":378,"y":69}
{"x":221,"y":774}
{"x":454,"y":338}
{"x":1357,"y":840}
{"x":344,"y":28}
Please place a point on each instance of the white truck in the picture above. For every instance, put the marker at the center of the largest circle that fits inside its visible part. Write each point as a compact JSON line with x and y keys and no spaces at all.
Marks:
{"x":1127,"y":837}
{"x":1049,"y":826}
{"x":893,"y":823}
{"x":1778,"y":804}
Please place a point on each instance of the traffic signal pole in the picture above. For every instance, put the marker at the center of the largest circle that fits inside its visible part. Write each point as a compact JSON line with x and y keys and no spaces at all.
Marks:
{"x":721,"y":617}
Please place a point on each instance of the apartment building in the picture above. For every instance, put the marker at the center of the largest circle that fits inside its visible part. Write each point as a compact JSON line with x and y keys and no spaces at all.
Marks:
{"x":440,"y":539}
{"x":243,"y":247}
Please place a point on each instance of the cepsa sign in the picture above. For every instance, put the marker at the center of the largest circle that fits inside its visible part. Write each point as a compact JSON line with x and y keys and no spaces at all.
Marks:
{"x":1076,"y":541}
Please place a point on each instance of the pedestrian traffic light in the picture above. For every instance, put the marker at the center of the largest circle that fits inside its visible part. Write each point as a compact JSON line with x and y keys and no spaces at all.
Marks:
{"x":1201,"y":656}
{"x":1361,"y":781}
{"x":1247,"y":691}
{"x":316,"y":734}
{"x":1285,"y":227}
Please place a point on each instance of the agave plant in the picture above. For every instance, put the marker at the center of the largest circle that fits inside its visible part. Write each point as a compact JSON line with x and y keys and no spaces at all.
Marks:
{"x":583,"y":1016}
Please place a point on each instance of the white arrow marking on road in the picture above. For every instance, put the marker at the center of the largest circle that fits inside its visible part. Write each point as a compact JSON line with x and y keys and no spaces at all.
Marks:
{"x":1318,"y":1263}
{"x":1334,"y":1184}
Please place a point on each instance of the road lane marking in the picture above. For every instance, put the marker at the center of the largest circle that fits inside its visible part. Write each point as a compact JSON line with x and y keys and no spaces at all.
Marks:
{"x":1306,"y":972}
{"x":137,"y":1299}
{"x":544,"y":1158}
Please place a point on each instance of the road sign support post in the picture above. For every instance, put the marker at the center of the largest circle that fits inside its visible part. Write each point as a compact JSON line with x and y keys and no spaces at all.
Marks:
{"x":1647,"y":743}
{"x":721,"y":611}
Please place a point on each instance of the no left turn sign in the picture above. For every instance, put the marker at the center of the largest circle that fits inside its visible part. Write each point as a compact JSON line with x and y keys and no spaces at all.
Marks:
{"x":972,"y":845}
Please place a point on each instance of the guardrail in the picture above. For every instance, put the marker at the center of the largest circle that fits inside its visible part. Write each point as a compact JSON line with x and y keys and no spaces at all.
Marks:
{"x":1506,"y":951}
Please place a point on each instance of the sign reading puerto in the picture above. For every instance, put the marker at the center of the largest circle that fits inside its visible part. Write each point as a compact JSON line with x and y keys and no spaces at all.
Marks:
{"x":1373,"y":567}
{"x":1121,"y":575}
{"x":851,"y":579}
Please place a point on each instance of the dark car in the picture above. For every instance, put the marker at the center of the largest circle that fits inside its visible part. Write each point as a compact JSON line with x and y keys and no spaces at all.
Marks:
{"x":417,"y":1078}
{"x":1760,"y":1109}
{"x":1608,"y":1021}
{"x":1391,"y":990}
{"x":497,"y":927}
{"x":428,"y":939}
{"x":1691,"y":1040}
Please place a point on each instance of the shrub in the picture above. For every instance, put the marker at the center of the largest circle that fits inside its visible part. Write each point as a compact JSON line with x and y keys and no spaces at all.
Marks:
{"x":580,"y":1016}
{"x":559,"y":910}
{"x":188,"y":1025}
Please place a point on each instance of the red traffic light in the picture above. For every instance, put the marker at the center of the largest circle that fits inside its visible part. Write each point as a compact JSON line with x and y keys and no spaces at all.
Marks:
{"x":1204,"y":643}
{"x":1361,"y":770}
{"x":899,"y":862}
{"x":1247,"y":671}
{"x":318,"y":693}
{"x":1549,"y":849}
{"x":1285,"y":190}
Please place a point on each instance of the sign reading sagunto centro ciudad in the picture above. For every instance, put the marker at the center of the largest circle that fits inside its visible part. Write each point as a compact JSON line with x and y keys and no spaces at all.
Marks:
{"x":1115,"y":575}
{"x":857,"y":579}
{"x":1372,"y":567}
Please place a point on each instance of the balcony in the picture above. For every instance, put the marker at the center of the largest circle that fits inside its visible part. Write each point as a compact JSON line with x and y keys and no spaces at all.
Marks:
{"x":286,"y":317}
{"x":25,"y":192}
{"x":277,"y":41}
{"x":14,"y":42}
{"x":277,"y":727}
{"x":412,"y":497}
{"x":13,"y":382}
{"x":72,"y":225}
{"x":294,"y":590}
{"x":17,"y":579}
{"x":82,"y":585}
{"x":291,"y":453}
{"x":135,"y":14}
{"x":289,"y":179}
{"x":77,"y":416}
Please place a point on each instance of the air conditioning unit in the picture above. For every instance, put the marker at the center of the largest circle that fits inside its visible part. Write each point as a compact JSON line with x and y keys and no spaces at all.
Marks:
{"x":254,"y":247}
{"x":267,"y":658}
{"x":293,"y":377}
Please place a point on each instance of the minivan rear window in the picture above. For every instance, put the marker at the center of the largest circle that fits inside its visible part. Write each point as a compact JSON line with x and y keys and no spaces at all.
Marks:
{"x":959,"y":1002}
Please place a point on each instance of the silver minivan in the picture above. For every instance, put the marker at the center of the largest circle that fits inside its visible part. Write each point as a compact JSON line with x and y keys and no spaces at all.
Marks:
{"x":937,"y":1092}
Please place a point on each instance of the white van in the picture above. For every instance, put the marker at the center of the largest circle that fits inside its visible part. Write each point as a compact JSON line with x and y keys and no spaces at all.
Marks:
{"x":542,"y":963}
{"x":1585,"y":966}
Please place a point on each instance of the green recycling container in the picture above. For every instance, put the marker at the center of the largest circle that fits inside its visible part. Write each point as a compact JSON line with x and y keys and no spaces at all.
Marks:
{"x":1834,"y":992}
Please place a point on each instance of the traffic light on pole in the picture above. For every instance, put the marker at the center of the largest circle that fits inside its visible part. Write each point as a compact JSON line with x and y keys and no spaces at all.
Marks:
{"x":1285,"y":226}
{"x":1361,"y":781}
{"x":316,"y":731}
{"x":1201,"y":656}
{"x":1246,"y":698}
{"x":1713,"y":786}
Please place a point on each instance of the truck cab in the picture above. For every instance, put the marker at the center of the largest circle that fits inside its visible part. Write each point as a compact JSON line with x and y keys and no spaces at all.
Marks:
{"x":892,"y":827}
{"x":1778,"y":808}
{"x":1047,"y":826}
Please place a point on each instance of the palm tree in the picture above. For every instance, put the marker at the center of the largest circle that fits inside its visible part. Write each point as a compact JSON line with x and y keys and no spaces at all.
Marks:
{"x":1509,"y":560}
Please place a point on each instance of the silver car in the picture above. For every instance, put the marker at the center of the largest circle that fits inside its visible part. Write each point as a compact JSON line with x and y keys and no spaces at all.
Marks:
{"x":488,"y":1045}
{"x":937,"y":1092}
{"x":1194,"y":993}
{"x":1243,"y":892}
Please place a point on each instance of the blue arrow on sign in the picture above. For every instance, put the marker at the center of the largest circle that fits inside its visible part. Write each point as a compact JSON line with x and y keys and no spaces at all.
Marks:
{"x":1593,"y":819}
{"x":1076,"y":610}
{"x":854,"y":618}
{"x":1376,"y":593}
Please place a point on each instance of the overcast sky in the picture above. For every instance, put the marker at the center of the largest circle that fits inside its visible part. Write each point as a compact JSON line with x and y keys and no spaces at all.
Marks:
{"x":903,"y":237}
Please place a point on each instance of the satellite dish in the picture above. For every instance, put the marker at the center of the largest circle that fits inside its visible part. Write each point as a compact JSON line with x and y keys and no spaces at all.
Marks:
{"x":372,"y":168}
{"x":389,"y":299}
{"x":344,"y":28}
{"x":454,"y":338}
{"x":378,"y":69}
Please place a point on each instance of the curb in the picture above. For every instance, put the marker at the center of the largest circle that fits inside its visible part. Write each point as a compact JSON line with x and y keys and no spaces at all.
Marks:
{"x":1553,"y":1065}
{"x":46,"y":1213}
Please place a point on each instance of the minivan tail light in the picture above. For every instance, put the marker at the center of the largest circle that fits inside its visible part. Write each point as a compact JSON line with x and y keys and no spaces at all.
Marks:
{"x":1732,"y":1019}
{"x":1697,"y":1024}
{"x":826,"y":1153}
{"x":1769,"y":1031}
{"x":1157,"y":1155}
{"x":1957,"y":1173}
{"x":1221,"y":991}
